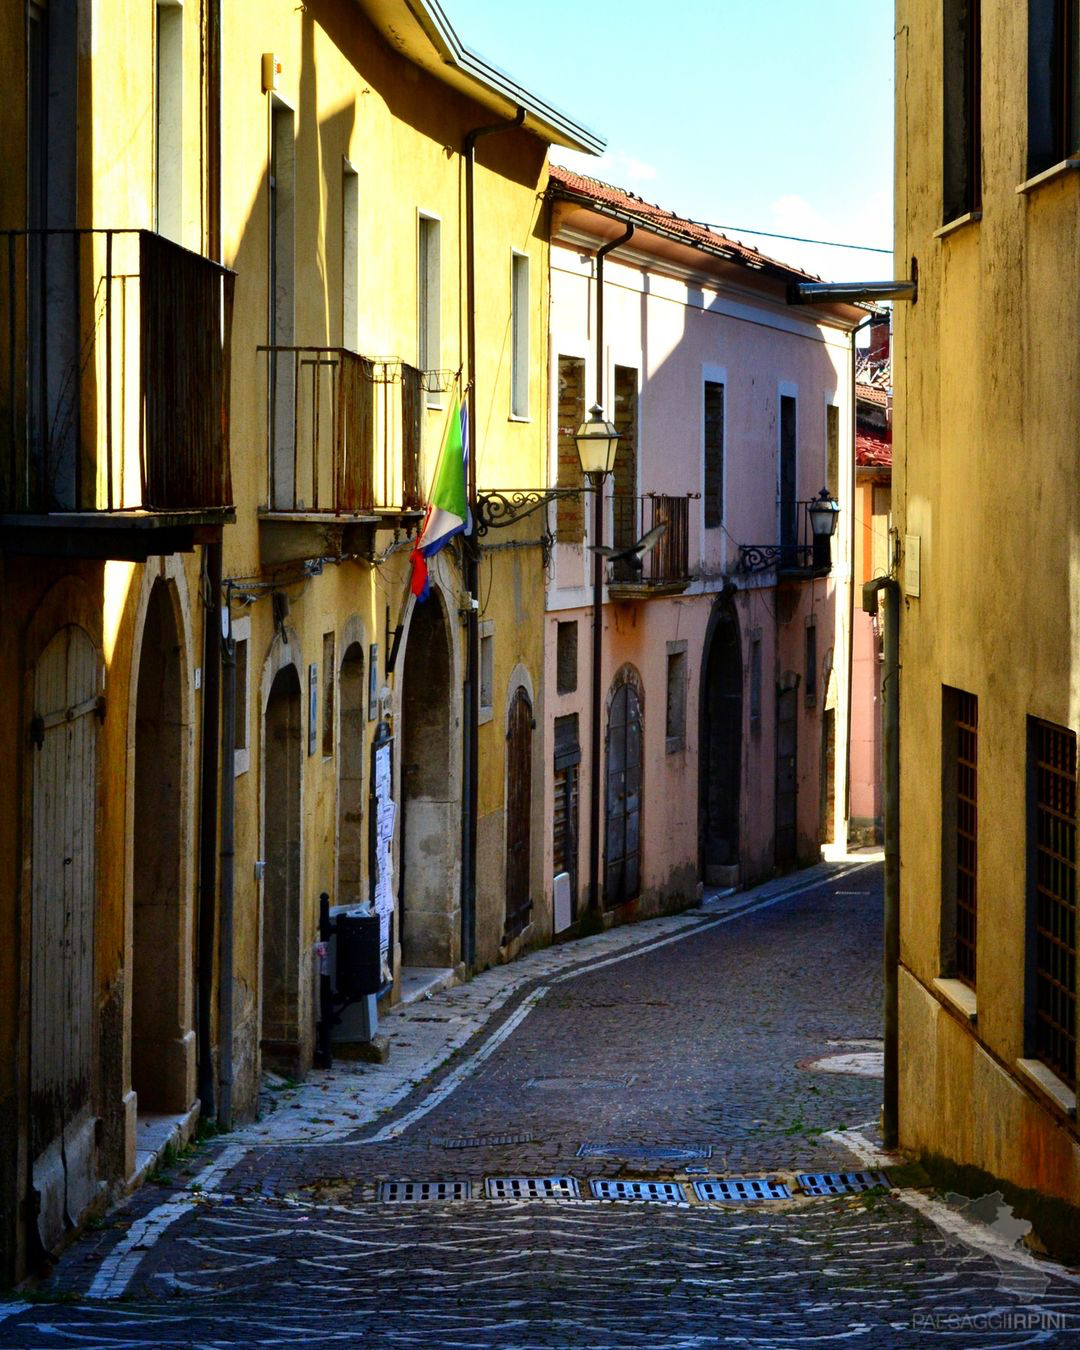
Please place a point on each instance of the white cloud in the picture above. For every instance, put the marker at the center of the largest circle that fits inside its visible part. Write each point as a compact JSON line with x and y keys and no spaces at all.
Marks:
{"x":614,"y":166}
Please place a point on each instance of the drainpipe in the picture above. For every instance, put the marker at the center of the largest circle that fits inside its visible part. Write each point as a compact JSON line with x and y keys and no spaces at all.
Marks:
{"x":228,"y":844}
{"x":212,"y":554}
{"x":471,"y":691}
{"x":851,"y":588}
{"x":891,"y":695}
{"x":598,"y":593}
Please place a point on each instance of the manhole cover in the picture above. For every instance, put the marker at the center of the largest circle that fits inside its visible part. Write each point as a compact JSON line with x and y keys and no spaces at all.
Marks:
{"x":419,"y":1192}
{"x":654,"y":1192}
{"x":858,"y":1063}
{"x":741,"y":1190}
{"x":532,"y":1188}
{"x":643,"y":1153}
{"x":581,"y":1084}
{"x":487,"y":1140}
{"x":839,"y":1183}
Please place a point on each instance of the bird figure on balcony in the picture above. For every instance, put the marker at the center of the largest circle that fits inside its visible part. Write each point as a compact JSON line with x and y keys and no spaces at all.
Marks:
{"x":634,"y":555}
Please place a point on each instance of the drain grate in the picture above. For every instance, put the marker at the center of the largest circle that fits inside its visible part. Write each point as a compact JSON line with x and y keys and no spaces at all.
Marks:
{"x":532,"y":1188}
{"x":418,"y":1192}
{"x":487,"y":1140}
{"x":839,"y":1183}
{"x":741,"y":1190}
{"x":653,"y":1192}
{"x":642,"y":1153}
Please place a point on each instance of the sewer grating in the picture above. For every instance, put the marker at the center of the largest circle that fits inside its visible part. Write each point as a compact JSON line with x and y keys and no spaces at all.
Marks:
{"x":532,"y":1188}
{"x":741,"y":1190}
{"x":487,"y":1140}
{"x":654,"y":1192}
{"x":643,"y":1153}
{"x":397,"y":1192}
{"x":839,"y":1183}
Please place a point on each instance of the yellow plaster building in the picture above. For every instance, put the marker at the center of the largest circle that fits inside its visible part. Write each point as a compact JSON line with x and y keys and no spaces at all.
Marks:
{"x":290,"y":241}
{"x":987,"y":508}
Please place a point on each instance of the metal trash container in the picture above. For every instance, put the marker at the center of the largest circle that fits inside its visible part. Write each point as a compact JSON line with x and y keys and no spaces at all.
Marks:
{"x":359,"y":963}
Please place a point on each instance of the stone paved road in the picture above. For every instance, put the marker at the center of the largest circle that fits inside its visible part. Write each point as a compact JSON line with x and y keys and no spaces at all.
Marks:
{"x":700,"y":1043}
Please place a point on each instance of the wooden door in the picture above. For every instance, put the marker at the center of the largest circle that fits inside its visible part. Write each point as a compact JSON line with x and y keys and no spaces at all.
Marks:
{"x":787,"y":745}
{"x":519,"y":728}
{"x":622,"y":852}
{"x":63,"y":862}
{"x":721,"y":758}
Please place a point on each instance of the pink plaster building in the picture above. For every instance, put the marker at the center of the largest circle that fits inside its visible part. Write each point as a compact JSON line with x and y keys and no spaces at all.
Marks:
{"x":724,"y":694}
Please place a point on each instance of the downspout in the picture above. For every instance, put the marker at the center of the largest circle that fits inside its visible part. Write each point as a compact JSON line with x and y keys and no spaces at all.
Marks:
{"x":851,"y":588}
{"x":598,"y":594}
{"x":471,"y":690}
{"x":228,"y":846}
{"x":212,"y":555}
{"x":891,"y":695}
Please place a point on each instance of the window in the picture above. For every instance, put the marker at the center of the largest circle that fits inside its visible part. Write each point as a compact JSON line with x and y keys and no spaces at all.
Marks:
{"x":624,"y":479}
{"x":565,"y":832}
{"x":280,"y":317}
{"x":487,"y":670}
{"x":755,"y":680}
{"x":676,"y":698}
{"x":810,"y":663}
{"x":832,"y":450}
{"x":959,"y":832}
{"x":350,"y":258}
{"x":714,"y":454}
{"x":519,"y":322}
{"x":329,"y":666}
{"x":168,"y":120}
{"x":241,"y":632}
{"x":1053,"y":82}
{"x":428,"y":293}
{"x":570,"y":511}
{"x":313,"y":707}
{"x":961,"y":110}
{"x":566,"y":657}
{"x":1052,"y":951}
{"x":789,"y":506}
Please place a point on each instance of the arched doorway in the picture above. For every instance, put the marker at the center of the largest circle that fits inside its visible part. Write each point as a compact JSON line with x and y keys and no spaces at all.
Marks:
{"x":519,"y":730}
{"x":429,"y":908}
{"x":622,"y":835}
{"x":63,"y":1011}
{"x":350,"y":833}
{"x":283,"y":760}
{"x":720,"y":759}
{"x":161,"y":1058}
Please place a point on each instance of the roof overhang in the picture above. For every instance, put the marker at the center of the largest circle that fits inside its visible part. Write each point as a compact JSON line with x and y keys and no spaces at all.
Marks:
{"x":421,"y":32}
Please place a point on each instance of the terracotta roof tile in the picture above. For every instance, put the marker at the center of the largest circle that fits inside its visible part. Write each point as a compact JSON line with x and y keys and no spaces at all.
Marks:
{"x":870,"y":393}
{"x":593,"y":190}
{"x":872,"y":452}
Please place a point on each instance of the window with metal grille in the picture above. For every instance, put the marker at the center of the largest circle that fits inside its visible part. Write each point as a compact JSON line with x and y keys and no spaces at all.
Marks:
{"x":960,"y":828}
{"x":714,"y":454}
{"x":566,"y":657}
{"x":1052,"y":897}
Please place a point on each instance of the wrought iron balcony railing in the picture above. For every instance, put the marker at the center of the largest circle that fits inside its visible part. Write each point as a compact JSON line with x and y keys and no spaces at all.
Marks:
{"x":666,"y":564}
{"x":799,"y":555}
{"x":114,"y":374}
{"x":343,"y":433}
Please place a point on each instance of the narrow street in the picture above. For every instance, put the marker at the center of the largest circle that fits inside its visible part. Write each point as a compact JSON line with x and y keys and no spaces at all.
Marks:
{"x":691,"y":1058}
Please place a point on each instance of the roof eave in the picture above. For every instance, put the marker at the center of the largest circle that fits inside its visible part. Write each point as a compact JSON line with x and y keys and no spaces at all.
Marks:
{"x":421,"y":32}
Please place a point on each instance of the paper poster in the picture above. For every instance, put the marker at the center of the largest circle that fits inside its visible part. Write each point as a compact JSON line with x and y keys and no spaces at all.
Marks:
{"x":385,"y":816}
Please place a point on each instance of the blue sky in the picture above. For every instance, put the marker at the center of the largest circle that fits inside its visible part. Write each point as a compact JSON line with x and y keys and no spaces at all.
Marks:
{"x":775,"y":114}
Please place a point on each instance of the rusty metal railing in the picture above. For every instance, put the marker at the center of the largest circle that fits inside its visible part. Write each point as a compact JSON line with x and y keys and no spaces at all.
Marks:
{"x":114,"y":373}
{"x":343,"y":431}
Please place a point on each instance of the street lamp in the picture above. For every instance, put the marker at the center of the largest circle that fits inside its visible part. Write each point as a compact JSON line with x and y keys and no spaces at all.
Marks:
{"x":823,"y":511}
{"x":597,"y":441}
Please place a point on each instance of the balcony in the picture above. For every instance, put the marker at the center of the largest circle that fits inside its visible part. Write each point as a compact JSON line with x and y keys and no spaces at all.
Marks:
{"x":663,"y":569}
{"x":342,"y":452}
{"x":800,"y":557}
{"x":114,"y":392}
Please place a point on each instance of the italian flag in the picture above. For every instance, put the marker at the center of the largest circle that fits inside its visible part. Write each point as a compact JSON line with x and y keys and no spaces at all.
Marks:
{"x":448,"y":514}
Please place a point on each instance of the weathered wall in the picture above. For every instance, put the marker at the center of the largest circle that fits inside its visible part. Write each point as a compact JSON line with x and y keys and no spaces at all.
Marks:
{"x":986,"y":408}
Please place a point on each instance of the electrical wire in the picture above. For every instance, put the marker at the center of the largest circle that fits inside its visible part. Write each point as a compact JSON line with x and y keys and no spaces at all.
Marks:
{"x":793,"y":238}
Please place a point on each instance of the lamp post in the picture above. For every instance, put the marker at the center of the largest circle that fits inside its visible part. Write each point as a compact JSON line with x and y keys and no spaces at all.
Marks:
{"x":597,"y":441}
{"x":823,"y":512}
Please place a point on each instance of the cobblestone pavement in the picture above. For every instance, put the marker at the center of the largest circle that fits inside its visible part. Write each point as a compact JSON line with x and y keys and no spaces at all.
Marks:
{"x":708,"y":1040}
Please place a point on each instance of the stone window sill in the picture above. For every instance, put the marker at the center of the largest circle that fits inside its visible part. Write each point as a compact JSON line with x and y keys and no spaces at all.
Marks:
{"x":1048,"y":175}
{"x":960,"y":996}
{"x":1049,"y":1084}
{"x":951,"y":226}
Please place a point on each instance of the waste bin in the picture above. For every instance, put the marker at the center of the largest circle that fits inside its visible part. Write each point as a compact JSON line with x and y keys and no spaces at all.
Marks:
{"x":359,"y":963}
